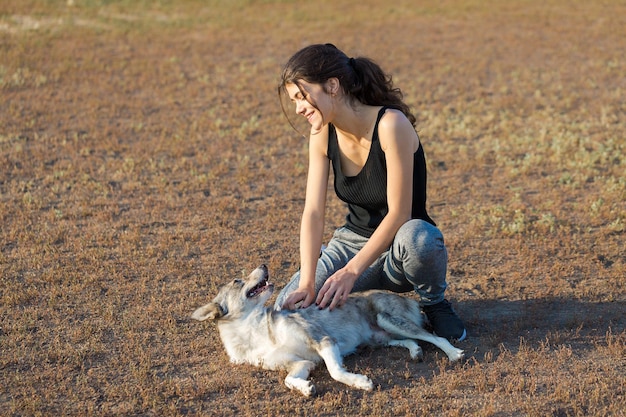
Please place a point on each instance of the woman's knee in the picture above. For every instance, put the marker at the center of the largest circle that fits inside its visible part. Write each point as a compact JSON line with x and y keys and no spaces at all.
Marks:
{"x":420,"y":257}
{"x":418,"y":233}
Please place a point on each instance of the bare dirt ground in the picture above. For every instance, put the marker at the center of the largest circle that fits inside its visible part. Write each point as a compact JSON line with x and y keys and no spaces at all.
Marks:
{"x":144,"y":160}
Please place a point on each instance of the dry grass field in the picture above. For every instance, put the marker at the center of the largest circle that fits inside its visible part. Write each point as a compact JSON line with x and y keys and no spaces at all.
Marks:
{"x":145,"y":160}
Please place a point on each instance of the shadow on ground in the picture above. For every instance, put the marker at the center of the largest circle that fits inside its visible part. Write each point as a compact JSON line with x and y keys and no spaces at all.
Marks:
{"x":535,"y":319}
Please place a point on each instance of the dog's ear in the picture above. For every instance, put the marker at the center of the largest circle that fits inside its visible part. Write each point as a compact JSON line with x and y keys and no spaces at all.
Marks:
{"x":211,"y":311}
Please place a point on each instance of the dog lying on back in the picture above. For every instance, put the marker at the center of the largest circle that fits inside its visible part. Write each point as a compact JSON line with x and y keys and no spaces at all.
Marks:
{"x":296,"y":340}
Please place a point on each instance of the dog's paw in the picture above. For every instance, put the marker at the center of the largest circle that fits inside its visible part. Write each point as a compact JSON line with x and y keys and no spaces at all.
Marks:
{"x":457,"y":355}
{"x":305,"y":387}
{"x":417,"y":354}
{"x":308,"y":390}
{"x":363,"y":382}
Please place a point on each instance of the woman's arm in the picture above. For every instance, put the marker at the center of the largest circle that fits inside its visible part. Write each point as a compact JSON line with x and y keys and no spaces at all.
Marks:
{"x":312,"y":224}
{"x":399,"y":141}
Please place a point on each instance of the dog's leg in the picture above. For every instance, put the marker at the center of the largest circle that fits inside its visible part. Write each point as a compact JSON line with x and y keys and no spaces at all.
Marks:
{"x":329,"y":351}
{"x":414,"y":349}
{"x":403,"y":327}
{"x":297,"y":377}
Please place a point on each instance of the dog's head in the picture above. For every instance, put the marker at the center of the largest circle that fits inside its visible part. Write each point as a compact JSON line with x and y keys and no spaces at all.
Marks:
{"x":238,"y":297}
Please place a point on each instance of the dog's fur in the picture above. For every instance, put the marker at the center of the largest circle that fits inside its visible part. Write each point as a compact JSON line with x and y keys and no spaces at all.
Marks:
{"x":296,"y":340}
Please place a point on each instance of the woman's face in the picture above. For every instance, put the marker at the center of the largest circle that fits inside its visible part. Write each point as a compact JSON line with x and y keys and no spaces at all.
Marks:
{"x":312,"y":102}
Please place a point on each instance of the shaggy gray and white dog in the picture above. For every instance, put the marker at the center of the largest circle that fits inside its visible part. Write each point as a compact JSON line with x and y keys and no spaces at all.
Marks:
{"x":296,"y":340}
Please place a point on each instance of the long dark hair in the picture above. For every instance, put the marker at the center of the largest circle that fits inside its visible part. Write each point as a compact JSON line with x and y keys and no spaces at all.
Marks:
{"x":361,"y":79}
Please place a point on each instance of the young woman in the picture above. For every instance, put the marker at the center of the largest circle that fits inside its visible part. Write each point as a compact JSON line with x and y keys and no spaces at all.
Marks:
{"x":361,"y":127}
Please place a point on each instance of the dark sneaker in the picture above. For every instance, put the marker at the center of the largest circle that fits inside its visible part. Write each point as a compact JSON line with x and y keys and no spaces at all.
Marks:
{"x":444,"y":321}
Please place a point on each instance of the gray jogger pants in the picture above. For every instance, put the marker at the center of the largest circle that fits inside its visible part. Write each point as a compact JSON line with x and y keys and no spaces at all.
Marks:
{"x":417,"y":260}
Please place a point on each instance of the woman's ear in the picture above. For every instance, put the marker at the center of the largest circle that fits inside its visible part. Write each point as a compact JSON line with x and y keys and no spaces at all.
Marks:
{"x":333,"y":86}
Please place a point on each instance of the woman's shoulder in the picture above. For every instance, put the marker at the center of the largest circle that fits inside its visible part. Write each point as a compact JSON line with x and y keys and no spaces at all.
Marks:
{"x":395,"y":127}
{"x":318,"y":140}
{"x":392,"y":118}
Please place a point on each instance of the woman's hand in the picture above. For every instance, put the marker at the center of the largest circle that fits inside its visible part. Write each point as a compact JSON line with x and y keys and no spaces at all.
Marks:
{"x":307,"y":296}
{"x":336,"y":289}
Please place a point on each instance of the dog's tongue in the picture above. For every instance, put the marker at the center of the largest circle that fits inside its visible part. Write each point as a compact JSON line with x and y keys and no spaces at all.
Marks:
{"x":258,"y":289}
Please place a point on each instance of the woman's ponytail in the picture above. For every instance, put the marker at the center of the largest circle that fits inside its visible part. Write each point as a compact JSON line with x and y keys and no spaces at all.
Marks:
{"x":372,"y":86}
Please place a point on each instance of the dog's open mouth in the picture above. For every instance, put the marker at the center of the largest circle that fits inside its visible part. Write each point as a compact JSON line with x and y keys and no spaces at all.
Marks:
{"x":258,"y":289}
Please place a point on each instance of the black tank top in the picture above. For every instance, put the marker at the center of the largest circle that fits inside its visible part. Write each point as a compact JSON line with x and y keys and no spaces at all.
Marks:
{"x":366,"y":192}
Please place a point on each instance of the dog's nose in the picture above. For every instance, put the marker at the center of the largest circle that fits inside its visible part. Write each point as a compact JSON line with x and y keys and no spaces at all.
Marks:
{"x":263,"y":267}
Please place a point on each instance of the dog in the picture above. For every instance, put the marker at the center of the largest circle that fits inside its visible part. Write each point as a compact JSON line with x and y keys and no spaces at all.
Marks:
{"x":296,"y":340}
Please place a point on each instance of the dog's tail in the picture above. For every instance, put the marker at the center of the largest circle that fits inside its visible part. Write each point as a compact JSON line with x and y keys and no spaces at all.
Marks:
{"x":400,"y":327}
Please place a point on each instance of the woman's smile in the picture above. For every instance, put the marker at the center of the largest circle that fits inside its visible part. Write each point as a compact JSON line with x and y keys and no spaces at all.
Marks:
{"x":305,"y":97}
